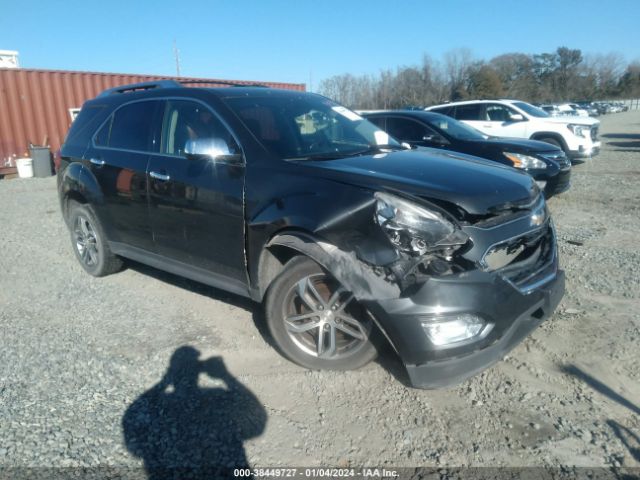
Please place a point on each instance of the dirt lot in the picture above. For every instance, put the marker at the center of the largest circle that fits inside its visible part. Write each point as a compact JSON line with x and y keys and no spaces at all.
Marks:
{"x":78,"y":355}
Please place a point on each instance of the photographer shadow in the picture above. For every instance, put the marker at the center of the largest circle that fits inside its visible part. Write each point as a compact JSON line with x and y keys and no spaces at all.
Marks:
{"x":182,"y":430}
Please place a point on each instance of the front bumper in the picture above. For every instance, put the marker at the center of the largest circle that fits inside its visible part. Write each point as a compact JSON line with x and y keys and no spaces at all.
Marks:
{"x":517,"y":286}
{"x":514,"y":314}
{"x":585,"y":151}
{"x":558,"y":183}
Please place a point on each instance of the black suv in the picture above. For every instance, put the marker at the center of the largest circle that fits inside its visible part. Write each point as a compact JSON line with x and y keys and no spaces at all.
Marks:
{"x":349,"y":240}
{"x":546,"y":163}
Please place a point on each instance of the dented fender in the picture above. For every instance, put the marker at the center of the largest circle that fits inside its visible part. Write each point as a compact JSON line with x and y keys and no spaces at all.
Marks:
{"x":352,"y":273}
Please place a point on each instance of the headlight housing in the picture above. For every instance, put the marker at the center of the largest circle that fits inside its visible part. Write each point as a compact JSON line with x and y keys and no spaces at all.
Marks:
{"x":456,"y":330}
{"x":579,"y":130}
{"x":412,"y":228}
{"x":525,"y":161}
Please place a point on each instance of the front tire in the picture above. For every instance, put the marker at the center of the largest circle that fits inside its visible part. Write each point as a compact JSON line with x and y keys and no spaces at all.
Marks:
{"x":553,"y":141}
{"x":90,"y":243}
{"x":316,"y":322}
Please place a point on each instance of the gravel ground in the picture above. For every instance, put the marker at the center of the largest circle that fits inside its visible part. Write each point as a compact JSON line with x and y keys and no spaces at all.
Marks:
{"x":116,"y":370}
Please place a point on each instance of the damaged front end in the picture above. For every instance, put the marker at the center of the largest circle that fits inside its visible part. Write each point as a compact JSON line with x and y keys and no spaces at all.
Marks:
{"x":452,"y":292}
{"x":425,"y":239}
{"x":385,"y":246}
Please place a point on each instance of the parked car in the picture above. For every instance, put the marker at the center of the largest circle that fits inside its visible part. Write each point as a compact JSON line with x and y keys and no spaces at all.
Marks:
{"x":552,"y":110}
{"x":603,"y":107}
{"x":578,"y":137}
{"x":575,"y":109}
{"x":349,"y":240}
{"x":590,"y":108}
{"x":546,"y":163}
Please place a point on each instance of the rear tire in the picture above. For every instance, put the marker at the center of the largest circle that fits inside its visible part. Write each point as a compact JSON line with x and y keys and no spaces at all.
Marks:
{"x":315,"y":322}
{"x":90,"y":243}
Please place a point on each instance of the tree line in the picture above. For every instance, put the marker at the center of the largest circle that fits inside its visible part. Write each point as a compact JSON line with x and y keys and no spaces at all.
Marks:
{"x":563,"y":75}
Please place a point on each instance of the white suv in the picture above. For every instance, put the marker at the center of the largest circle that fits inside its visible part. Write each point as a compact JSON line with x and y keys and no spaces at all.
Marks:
{"x":577,"y":136}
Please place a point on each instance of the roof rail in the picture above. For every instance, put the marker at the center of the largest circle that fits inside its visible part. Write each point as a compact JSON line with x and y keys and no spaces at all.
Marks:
{"x":222,"y":82}
{"x":140,"y":86}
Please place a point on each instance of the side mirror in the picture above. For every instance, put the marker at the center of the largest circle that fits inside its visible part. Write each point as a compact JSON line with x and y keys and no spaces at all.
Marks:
{"x":516,"y":117}
{"x":215,"y":149}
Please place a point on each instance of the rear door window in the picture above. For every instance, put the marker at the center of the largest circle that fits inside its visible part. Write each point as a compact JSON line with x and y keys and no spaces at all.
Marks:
{"x":469,"y":112}
{"x":132,"y":127}
{"x":444,"y":110}
{"x":378,"y":122}
{"x":406,"y":130}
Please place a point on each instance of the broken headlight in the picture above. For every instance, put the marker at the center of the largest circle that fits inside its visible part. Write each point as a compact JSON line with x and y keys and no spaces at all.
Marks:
{"x":415,"y":229}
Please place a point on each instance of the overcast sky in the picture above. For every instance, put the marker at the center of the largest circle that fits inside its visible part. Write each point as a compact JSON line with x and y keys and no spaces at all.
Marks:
{"x":299,"y":40}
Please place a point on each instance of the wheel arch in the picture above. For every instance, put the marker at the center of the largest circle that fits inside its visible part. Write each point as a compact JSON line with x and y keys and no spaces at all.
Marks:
{"x":345,"y":267}
{"x":282,"y":247}
{"x":556,"y":136}
{"x":78,"y":184}
{"x":287,"y":244}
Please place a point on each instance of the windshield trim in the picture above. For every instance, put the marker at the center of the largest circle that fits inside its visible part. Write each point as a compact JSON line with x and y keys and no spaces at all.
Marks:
{"x":531,"y":110}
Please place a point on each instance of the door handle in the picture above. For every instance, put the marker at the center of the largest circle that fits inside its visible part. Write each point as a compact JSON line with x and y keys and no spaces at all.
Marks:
{"x":97,"y":161}
{"x":160,"y":176}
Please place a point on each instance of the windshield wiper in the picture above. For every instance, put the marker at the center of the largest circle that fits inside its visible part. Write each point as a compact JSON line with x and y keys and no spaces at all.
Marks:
{"x":387,"y":146}
{"x":321,"y":156}
{"x":337,"y":155}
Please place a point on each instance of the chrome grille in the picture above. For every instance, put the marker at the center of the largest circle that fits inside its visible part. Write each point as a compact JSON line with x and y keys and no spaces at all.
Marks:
{"x":559,"y":157}
{"x":526,"y":261}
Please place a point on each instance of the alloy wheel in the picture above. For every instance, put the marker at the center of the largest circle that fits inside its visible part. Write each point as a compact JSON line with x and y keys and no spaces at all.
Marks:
{"x":86,"y":241}
{"x":323,"y":319}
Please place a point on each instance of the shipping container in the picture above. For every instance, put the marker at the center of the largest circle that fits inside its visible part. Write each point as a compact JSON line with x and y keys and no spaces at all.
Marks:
{"x":37,"y":106}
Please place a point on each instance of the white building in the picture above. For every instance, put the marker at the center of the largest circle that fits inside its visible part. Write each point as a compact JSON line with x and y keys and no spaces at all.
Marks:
{"x":9,"y":59}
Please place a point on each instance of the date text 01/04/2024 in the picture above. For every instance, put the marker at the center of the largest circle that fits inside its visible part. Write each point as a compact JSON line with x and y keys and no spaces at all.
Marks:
{"x":314,"y":472}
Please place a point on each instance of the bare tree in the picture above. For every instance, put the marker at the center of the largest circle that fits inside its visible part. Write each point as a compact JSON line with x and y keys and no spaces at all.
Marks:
{"x":557,"y":76}
{"x":457,"y":63}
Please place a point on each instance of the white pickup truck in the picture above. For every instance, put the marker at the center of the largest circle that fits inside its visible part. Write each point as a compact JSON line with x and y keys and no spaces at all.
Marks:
{"x":577,"y":136}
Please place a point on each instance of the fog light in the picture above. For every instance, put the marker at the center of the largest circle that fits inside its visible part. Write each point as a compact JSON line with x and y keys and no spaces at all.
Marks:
{"x":454,"y":330}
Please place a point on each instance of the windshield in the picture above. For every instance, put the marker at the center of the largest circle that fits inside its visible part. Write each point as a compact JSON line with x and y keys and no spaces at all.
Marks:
{"x":456,"y":129}
{"x":531,"y":110}
{"x":308,"y":126}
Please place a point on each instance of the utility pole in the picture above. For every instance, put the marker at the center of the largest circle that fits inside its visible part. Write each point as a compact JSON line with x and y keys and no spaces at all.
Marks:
{"x":176,"y":53}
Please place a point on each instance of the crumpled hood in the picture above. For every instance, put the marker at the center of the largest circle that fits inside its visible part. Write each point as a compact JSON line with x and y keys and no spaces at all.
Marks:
{"x":478,"y":186}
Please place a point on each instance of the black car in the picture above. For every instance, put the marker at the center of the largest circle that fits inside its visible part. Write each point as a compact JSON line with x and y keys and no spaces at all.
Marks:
{"x":546,"y":163}
{"x":348,"y":239}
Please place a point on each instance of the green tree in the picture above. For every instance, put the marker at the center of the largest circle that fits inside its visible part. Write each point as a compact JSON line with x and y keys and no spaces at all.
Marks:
{"x":484,"y":82}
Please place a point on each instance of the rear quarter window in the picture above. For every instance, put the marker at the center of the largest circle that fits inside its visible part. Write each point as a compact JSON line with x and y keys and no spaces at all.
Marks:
{"x":84,"y":125}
